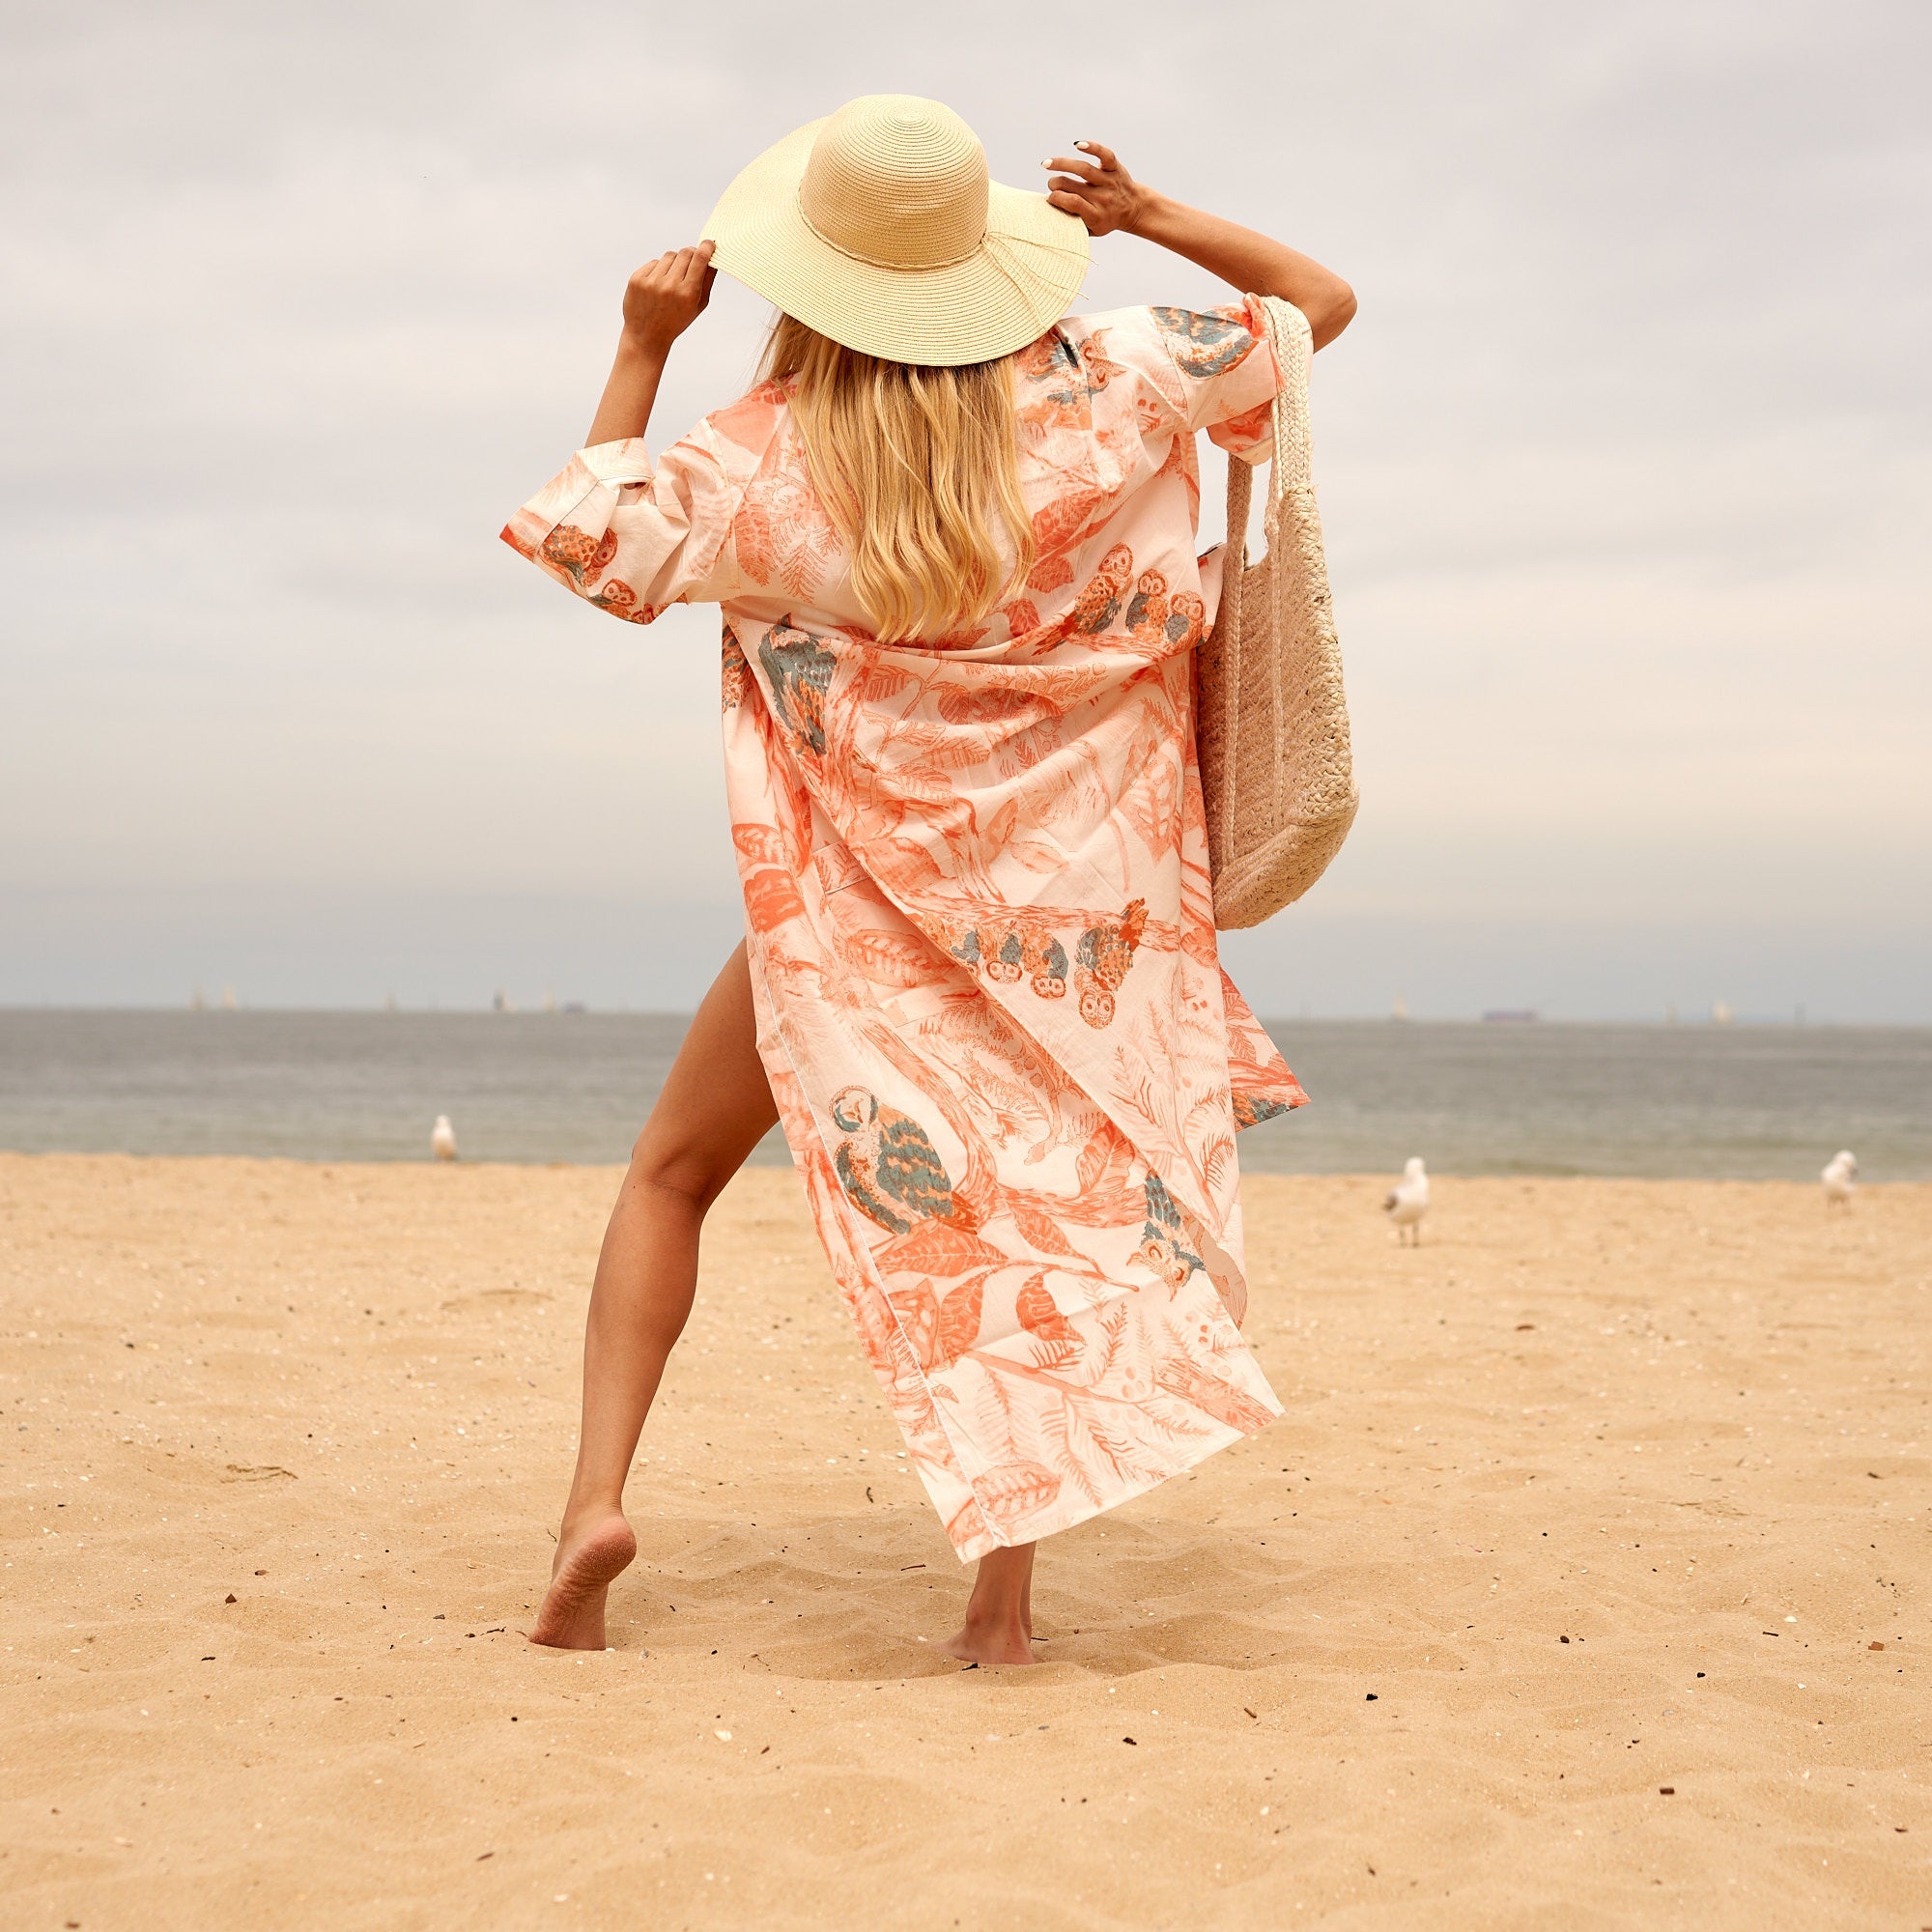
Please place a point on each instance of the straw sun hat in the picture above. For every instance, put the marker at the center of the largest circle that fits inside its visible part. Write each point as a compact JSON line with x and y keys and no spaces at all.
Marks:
{"x":879,"y":227}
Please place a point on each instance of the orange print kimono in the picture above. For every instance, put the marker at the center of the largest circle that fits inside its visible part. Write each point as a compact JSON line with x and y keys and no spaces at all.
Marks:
{"x":980,"y":916}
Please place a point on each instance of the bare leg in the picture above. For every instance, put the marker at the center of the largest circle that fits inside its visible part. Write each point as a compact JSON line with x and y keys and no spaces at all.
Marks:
{"x":715,"y":1108}
{"x":999,"y":1615}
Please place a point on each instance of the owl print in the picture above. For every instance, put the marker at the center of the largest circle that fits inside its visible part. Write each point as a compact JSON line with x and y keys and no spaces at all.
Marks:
{"x":1003,"y":963}
{"x":1046,"y":963}
{"x":886,"y":1163}
{"x":1098,"y":605}
{"x":1101,"y":960}
{"x":581,"y":556}
{"x":1207,"y":342}
{"x":1161,"y":1236}
{"x":800,"y":670}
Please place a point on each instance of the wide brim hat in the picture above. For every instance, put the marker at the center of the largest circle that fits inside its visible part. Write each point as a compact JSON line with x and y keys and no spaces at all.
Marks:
{"x":880,"y":227}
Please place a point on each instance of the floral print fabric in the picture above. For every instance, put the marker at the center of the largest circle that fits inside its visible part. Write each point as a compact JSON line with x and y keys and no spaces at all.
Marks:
{"x":980,"y":915}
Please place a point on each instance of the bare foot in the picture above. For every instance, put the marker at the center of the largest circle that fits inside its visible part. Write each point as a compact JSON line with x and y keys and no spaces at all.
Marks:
{"x":989,"y":1644}
{"x":590,"y":1557}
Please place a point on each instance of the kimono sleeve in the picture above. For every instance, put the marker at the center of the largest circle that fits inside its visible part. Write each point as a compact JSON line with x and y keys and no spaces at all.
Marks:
{"x":1229,"y":376}
{"x":633,"y":536}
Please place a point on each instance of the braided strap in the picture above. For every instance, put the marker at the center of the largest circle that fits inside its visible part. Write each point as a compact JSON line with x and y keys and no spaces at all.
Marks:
{"x":1271,"y":716}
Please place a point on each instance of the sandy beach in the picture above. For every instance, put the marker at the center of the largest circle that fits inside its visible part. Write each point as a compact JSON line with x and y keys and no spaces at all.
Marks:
{"x":1583,"y":1582}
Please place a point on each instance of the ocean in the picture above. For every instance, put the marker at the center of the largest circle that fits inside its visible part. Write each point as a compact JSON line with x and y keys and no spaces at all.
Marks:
{"x":1738,"y":1102}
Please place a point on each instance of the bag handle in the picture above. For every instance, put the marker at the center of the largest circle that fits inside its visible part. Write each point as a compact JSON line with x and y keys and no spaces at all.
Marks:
{"x":1291,"y":458}
{"x":1291,"y":345}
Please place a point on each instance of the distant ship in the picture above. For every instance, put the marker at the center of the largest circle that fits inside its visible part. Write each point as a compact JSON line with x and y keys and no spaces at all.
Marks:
{"x":1723,"y":1013}
{"x":1512,"y":1015}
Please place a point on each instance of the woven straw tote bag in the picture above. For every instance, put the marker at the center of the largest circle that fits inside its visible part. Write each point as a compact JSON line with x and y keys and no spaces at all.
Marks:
{"x":1271,"y":723}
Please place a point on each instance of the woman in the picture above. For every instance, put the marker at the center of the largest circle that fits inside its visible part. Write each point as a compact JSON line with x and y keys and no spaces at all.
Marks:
{"x":953,"y":538}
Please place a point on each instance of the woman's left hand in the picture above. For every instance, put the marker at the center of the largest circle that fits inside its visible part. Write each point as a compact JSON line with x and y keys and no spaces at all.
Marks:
{"x":1098,"y":189}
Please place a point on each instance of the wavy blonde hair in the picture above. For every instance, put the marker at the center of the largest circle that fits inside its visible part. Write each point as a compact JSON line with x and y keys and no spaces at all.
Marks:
{"x":919,"y":469}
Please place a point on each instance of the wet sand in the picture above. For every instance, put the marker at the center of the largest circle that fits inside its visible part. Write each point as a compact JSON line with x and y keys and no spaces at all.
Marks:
{"x":285,"y":1445}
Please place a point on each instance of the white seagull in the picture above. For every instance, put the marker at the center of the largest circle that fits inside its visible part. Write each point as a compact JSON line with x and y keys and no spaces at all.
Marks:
{"x":1408,"y":1202}
{"x":442,"y":1139}
{"x":1840,"y":1178}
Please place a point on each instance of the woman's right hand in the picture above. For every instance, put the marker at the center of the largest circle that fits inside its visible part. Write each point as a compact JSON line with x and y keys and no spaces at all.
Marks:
{"x":663,"y":297}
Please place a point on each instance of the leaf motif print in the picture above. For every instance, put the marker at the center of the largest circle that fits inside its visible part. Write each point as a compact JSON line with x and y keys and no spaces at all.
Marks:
{"x":909,"y":781}
{"x":896,"y":959}
{"x":1054,"y":571}
{"x":1060,"y":528}
{"x":1000,"y":825}
{"x":959,"y":1321}
{"x":876,"y":680}
{"x":905,"y":865}
{"x":1183,"y":1377}
{"x":937,"y":1248}
{"x":1249,"y":429}
{"x":1037,"y":855}
{"x":966,"y":1529}
{"x":1109,"y":1148}
{"x":783,"y":538}
{"x":734,"y":673}
{"x":956,"y":640}
{"x":1040,"y":1314}
{"x":758,"y":548}
{"x":770,"y":898}
{"x":990,"y":706}
{"x":1040,"y":1230}
{"x":1015,"y":1490}
{"x":1150,"y":800}
{"x":761,"y":844}
{"x":918,"y":1311}
{"x":1022,"y":620}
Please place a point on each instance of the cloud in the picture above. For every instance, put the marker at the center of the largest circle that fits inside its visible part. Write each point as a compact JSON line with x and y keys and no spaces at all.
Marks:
{"x":1625,"y":463}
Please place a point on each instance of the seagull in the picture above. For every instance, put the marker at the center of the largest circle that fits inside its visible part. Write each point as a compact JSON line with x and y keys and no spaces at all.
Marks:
{"x":1840,"y":1178}
{"x":442,"y":1139}
{"x":1408,"y":1202}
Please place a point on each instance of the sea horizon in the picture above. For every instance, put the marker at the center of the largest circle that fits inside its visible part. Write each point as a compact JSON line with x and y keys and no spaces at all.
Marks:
{"x":1750,"y":1100}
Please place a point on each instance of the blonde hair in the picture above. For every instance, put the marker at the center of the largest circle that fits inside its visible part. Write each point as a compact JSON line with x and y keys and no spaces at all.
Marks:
{"x":919,"y":469}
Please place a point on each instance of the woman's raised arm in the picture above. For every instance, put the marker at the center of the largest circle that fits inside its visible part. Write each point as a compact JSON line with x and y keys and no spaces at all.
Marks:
{"x":1102,"y":193}
{"x":661,"y":302}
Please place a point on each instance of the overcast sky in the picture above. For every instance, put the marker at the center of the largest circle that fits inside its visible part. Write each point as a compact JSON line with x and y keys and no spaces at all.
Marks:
{"x":1624,"y":463}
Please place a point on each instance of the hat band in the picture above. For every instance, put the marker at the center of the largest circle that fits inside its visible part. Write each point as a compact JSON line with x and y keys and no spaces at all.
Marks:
{"x":878,"y":261}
